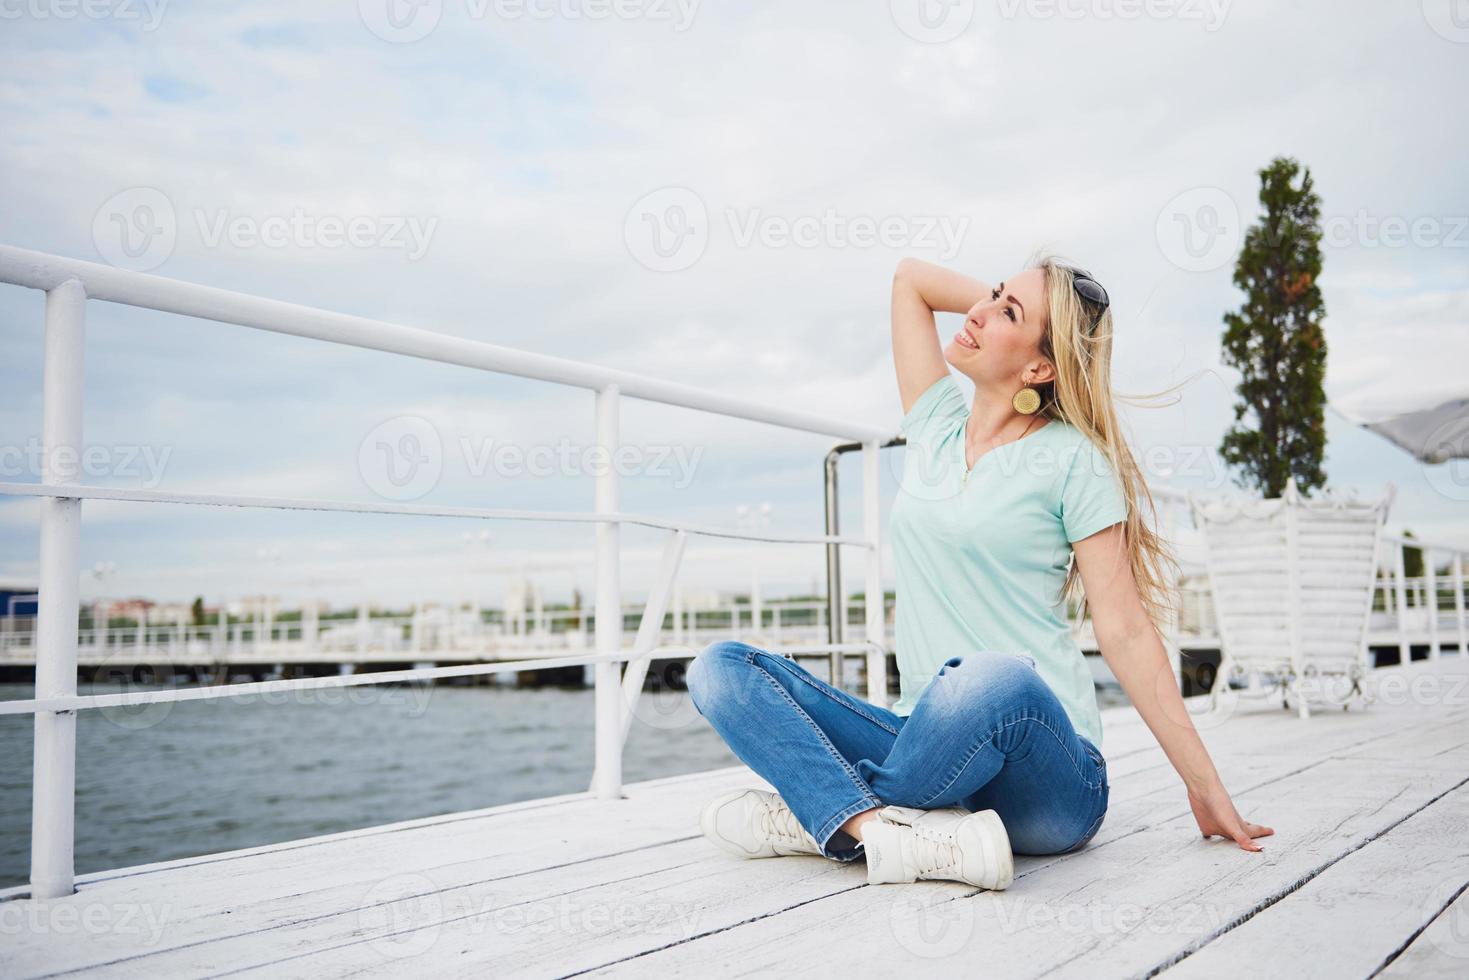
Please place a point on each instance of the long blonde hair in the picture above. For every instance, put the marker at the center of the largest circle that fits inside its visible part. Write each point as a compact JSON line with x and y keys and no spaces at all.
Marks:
{"x":1081,"y":394}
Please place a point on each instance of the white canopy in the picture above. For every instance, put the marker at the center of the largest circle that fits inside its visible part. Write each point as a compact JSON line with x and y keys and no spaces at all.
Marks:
{"x":1433,"y":434}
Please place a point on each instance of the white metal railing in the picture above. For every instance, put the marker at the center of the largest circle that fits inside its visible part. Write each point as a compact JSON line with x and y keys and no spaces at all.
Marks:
{"x":430,"y":630}
{"x":69,"y":284}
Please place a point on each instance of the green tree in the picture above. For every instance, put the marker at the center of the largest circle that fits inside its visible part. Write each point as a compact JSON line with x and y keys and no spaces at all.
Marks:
{"x":197,"y":611}
{"x":1276,"y":342}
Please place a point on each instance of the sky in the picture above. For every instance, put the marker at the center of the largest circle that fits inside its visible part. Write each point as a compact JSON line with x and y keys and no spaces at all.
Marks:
{"x":711,"y":193}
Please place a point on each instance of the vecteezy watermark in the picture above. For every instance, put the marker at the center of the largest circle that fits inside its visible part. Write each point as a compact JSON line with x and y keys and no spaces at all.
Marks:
{"x":1446,"y":912}
{"x":148,"y":12}
{"x":934,"y":927}
{"x":1367,"y":230}
{"x":127,"y":461}
{"x":930,"y":470}
{"x":403,"y":459}
{"x":142,"y":686}
{"x":932,"y":21}
{"x":937,"y":927}
{"x":512,"y":460}
{"x":832,"y":229}
{"x":1446,"y":459}
{"x":1200,"y":230}
{"x":302,"y":230}
{"x":1211,"y":13}
{"x":407,"y":915}
{"x":138,"y":229}
{"x":1426,"y":690}
{"x":142,"y":922}
{"x":1449,"y":19}
{"x":669,"y":229}
{"x":406,"y":21}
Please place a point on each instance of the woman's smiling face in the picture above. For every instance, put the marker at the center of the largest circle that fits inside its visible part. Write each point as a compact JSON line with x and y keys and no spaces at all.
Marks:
{"x":1001,"y":334}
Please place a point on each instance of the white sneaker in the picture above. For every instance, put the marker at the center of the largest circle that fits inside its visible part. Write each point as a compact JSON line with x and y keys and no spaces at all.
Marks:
{"x":904,"y":844}
{"x":754,"y":823}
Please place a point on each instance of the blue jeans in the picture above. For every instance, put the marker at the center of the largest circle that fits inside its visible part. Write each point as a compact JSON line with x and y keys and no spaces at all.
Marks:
{"x":987,"y":734}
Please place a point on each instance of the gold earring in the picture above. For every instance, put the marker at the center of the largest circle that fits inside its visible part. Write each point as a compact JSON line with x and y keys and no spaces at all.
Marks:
{"x":1026,"y":401}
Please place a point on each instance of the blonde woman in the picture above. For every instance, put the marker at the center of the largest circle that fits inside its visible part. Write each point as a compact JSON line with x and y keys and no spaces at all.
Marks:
{"x":993,"y":747}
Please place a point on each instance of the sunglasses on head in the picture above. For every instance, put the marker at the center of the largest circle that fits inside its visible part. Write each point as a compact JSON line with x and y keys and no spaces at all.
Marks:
{"x":1092,"y":295}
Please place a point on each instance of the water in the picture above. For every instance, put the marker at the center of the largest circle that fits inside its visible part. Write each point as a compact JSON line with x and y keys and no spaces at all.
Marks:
{"x":172,"y":781}
{"x":169,"y":781}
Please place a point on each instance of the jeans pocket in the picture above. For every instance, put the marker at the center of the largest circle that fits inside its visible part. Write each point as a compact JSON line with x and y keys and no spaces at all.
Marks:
{"x":1091,"y":831}
{"x":1098,"y":760}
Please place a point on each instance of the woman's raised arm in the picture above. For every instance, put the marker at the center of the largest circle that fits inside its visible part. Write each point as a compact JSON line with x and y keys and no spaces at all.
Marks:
{"x":919,"y":290}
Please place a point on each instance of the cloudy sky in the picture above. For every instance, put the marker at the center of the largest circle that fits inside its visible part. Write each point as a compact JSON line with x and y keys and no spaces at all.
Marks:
{"x":714,"y":193}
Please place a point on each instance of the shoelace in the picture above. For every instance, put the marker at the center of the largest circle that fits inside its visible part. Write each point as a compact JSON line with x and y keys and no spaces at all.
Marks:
{"x":934,"y":852}
{"x":779,"y":822}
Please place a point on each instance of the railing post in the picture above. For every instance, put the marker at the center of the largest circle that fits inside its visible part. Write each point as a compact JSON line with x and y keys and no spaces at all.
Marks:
{"x":874,"y":604}
{"x":607,"y":768}
{"x":1405,"y":653}
{"x":1430,"y":585}
{"x":1459,"y":604}
{"x":53,"y":805}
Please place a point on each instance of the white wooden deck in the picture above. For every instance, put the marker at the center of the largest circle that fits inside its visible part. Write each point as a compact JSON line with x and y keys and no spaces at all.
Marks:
{"x":1365,"y":876}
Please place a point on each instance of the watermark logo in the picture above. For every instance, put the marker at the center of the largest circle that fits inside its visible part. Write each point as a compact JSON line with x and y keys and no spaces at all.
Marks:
{"x":1446,"y":911}
{"x":136,"y":229}
{"x":139,"y":228}
{"x":1210,"y":13}
{"x":932,"y":21}
{"x":404,"y":914}
{"x":401,"y":21}
{"x":513,"y":461}
{"x":300,"y":229}
{"x":407,"y":914}
{"x":1199,"y":230}
{"x":831,"y":229}
{"x":402,"y":458}
{"x":406,"y":21}
{"x":148,"y":12}
{"x":142,"y":923}
{"x":667,"y":230}
{"x":663,"y":706}
{"x":121,"y":669}
{"x":930,"y":927}
{"x":1449,"y":19}
{"x":142,"y":463}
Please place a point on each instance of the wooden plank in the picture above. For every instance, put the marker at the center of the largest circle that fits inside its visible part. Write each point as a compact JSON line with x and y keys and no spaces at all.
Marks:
{"x":1119,"y":909}
{"x":1440,"y":952}
{"x":1354,"y":916}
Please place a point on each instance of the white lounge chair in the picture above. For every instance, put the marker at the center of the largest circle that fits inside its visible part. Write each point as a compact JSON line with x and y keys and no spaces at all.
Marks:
{"x":1292,"y":581}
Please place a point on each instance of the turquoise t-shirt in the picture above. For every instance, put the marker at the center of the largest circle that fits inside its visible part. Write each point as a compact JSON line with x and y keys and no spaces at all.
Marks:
{"x":981,"y":560}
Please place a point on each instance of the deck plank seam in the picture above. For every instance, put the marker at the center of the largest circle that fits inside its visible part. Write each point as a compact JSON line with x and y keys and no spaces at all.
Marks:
{"x":1191,"y":948}
{"x":1413,"y":937}
{"x":358,"y":909}
{"x":711,"y":932}
{"x":379,"y":937}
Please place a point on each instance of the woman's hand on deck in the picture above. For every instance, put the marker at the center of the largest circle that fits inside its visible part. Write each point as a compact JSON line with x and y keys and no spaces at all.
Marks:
{"x":1216,"y":816}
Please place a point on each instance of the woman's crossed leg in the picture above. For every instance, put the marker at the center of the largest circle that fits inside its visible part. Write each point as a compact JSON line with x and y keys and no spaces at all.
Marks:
{"x":986,"y":733}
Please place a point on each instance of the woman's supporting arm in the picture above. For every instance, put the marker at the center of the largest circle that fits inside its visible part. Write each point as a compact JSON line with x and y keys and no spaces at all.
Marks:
{"x":1134,"y":651}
